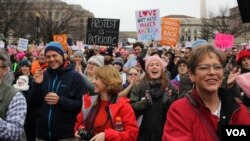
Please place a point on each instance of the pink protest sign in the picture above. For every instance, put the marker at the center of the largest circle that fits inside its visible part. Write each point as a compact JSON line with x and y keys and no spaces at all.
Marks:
{"x":224,"y":41}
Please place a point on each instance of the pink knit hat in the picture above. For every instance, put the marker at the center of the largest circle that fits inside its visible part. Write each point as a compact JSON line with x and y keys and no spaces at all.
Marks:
{"x":243,"y":81}
{"x":20,"y":55}
{"x":151,"y":58}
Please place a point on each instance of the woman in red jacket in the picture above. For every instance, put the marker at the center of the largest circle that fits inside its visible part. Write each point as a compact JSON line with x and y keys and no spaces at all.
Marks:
{"x":199,"y":116}
{"x":106,"y":116}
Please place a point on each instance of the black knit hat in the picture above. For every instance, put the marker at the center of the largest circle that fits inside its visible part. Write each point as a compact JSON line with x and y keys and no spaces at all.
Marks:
{"x":25,"y":63}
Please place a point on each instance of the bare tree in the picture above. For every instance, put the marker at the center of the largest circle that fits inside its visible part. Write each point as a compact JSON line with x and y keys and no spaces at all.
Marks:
{"x":223,"y":23}
{"x":10,"y":10}
{"x":55,"y":18}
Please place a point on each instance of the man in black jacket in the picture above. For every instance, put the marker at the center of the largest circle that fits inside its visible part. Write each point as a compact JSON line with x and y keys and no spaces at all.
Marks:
{"x":57,"y":92}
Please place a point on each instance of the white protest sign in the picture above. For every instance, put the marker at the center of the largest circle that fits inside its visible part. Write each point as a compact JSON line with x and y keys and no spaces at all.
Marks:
{"x":2,"y":44}
{"x":188,"y":44}
{"x":22,"y":44}
{"x":79,"y":44}
{"x":148,"y":25}
{"x":74,"y":47}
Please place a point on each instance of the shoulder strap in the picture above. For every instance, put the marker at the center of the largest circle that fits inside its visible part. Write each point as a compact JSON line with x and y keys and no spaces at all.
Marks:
{"x":193,"y":101}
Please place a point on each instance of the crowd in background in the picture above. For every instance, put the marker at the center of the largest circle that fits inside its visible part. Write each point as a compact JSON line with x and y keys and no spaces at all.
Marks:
{"x":148,"y":90}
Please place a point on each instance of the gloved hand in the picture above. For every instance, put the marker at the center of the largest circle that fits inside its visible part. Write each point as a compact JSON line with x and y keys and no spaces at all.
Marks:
{"x":148,"y":97}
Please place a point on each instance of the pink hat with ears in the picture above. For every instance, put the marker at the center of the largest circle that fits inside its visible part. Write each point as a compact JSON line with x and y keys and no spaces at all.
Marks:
{"x":154,"y":57}
{"x":243,"y":81}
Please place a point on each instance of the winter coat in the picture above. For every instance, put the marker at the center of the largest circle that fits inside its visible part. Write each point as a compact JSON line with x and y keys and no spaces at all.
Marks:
{"x":55,"y":122}
{"x":121,"y":108}
{"x":184,"y":123}
{"x":151,"y":117}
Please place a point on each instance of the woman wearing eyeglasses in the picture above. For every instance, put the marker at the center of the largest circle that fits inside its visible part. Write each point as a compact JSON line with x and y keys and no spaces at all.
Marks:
{"x":133,"y":78}
{"x":199,"y":115}
{"x":106,"y":117}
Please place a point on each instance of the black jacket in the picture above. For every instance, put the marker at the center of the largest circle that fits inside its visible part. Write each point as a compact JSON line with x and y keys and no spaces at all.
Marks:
{"x":56,"y":122}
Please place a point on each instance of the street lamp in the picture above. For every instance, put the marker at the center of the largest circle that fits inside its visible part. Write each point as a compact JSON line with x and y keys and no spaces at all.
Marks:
{"x":37,"y":28}
{"x":186,"y":34}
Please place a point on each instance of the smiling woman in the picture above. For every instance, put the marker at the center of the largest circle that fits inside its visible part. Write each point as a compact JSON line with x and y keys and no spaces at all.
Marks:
{"x":207,"y":106}
{"x":105,"y":108}
{"x":151,"y":98}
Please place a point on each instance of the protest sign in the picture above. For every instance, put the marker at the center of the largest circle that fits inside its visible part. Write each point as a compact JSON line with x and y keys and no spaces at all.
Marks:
{"x":170,"y":31}
{"x":2,"y":44}
{"x":224,"y":41}
{"x":22,"y":44}
{"x":102,"y":31}
{"x":62,"y":38}
{"x":148,"y":25}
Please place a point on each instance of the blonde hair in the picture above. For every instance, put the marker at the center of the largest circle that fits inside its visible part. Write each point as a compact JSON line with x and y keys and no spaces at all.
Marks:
{"x":110,"y":76}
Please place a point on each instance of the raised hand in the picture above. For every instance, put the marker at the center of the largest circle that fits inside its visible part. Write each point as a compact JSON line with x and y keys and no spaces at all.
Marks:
{"x":231,"y":80}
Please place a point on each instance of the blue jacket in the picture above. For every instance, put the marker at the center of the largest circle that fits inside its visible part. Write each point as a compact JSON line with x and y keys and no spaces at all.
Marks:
{"x":56,"y":122}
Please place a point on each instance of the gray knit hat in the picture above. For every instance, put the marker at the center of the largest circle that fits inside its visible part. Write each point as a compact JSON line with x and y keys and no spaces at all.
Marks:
{"x":80,"y":54}
{"x":118,"y":61}
{"x":97,"y":59}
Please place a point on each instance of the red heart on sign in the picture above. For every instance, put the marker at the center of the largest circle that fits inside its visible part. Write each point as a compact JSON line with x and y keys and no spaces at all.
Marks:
{"x":145,"y":13}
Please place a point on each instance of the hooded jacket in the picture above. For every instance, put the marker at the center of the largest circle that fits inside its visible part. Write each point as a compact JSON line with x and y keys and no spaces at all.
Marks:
{"x":56,"y":122}
{"x":121,"y":108}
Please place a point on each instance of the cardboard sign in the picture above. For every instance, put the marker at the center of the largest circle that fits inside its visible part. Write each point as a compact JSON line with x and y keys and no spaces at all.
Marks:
{"x":79,"y":44}
{"x":224,"y":41}
{"x":22,"y":44}
{"x":170,"y":31}
{"x":2,"y":44}
{"x":148,"y":25}
{"x":102,"y":31}
{"x":198,"y":43}
{"x":74,"y":47}
{"x":62,"y":38}
{"x":188,"y":44}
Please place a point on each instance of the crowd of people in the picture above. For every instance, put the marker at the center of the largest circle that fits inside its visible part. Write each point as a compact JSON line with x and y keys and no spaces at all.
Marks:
{"x":105,"y":93}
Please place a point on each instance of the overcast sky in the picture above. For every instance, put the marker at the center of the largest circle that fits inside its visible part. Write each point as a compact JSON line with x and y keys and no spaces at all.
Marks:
{"x":125,"y":9}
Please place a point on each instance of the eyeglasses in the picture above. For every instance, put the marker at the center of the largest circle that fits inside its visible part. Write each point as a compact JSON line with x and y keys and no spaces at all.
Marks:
{"x":134,"y":74}
{"x":207,"y":67}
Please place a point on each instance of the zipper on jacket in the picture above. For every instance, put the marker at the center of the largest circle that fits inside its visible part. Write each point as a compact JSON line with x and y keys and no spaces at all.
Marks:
{"x":50,"y":108}
{"x":111,"y":117}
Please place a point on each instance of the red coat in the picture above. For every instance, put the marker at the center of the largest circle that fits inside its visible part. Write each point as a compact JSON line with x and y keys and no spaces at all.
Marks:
{"x":184,"y":124}
{"x":121,"y":108}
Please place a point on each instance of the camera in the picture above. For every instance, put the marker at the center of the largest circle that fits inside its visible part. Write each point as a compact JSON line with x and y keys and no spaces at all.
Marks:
{"x":84,"y":134}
